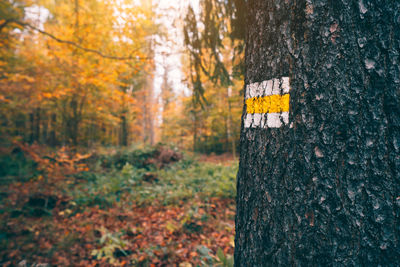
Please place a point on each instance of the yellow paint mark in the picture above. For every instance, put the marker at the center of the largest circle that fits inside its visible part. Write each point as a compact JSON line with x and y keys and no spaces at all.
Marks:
{"x":268,"y":104}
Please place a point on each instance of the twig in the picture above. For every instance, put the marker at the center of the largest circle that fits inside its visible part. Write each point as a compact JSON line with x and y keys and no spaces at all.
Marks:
{"x":24,"y":24}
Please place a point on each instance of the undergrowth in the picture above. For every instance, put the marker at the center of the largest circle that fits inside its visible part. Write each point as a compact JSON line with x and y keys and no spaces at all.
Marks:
{"x":180,"y":181}
{"x":130,"y":186}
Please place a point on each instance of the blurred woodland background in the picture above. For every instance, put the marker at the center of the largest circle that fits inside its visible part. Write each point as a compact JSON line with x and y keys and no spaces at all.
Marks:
{"x":114,"y":73}
{"x":120,"y":122}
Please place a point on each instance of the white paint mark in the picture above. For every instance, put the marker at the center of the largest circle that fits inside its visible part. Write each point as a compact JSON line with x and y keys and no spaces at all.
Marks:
{"x":276,"y":89}
{"x":248,"y":120}
{"x":285,"y":85}
{"x":253,"y":89}
{"x":248,"y":90}
{"x":247,"y":93}
{"x":285,"y":117}
{"x":274,"y":120}
{"x":257,"y":119}
{"x":267,"y":88}
{"x":263,"y":123}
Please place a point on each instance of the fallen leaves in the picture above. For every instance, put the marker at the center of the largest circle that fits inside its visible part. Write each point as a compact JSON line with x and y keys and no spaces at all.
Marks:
{"x":121,"y":235}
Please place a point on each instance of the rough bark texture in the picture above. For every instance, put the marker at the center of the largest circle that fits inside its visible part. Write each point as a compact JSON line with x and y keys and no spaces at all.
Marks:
{"x":325,"y":192}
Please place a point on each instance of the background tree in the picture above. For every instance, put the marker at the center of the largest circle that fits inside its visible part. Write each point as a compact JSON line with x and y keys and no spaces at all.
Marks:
{"x":75,"y":76}
{"x":324,"y":187}
{"x":214,"y":45}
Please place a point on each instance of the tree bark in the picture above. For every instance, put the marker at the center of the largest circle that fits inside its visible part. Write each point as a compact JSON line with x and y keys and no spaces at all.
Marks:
{"x":229,"y":130}
{"x":73,"y":121}
{"x":32,"y":127}
{"x":320,"y":187}
{"x":124,"y":129}
{"x":37,"y":124}
{"x":52,"y":141}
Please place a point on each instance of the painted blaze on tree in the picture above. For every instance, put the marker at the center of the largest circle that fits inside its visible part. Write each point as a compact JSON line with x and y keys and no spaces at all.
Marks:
{"x":320,"y":186}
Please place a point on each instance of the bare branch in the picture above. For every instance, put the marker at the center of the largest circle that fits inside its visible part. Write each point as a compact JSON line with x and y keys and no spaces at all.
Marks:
{"x":24,"y":24}
{"x":4,"y":24}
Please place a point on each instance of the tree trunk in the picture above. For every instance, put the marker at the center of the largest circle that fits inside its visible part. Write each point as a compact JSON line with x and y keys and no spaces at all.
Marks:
{"x":52,"y":141}
{"x":20,"y":125}
{"x":195,"y":130}
{"x":149,"y":104}
{"x":124,"y":130}
{"x":319,"y":175}
{"x":73,"y":122}
{"x":32,"y":127}
{"x":230,"y":136}
{"x":37,"y":124}
{"x":45,"y":128}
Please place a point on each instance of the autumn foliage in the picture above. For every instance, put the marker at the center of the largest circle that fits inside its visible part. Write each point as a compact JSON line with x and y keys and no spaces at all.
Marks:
{"x":98,"y":158}
{"x":81,"y":80}
{"x":66,"y":214}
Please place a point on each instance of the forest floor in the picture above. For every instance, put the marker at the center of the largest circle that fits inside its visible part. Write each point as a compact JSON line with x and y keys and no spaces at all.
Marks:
{"x":151,"y":206}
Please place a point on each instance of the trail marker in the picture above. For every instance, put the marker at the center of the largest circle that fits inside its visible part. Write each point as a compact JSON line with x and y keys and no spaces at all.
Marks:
{"x":267,"y":103}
